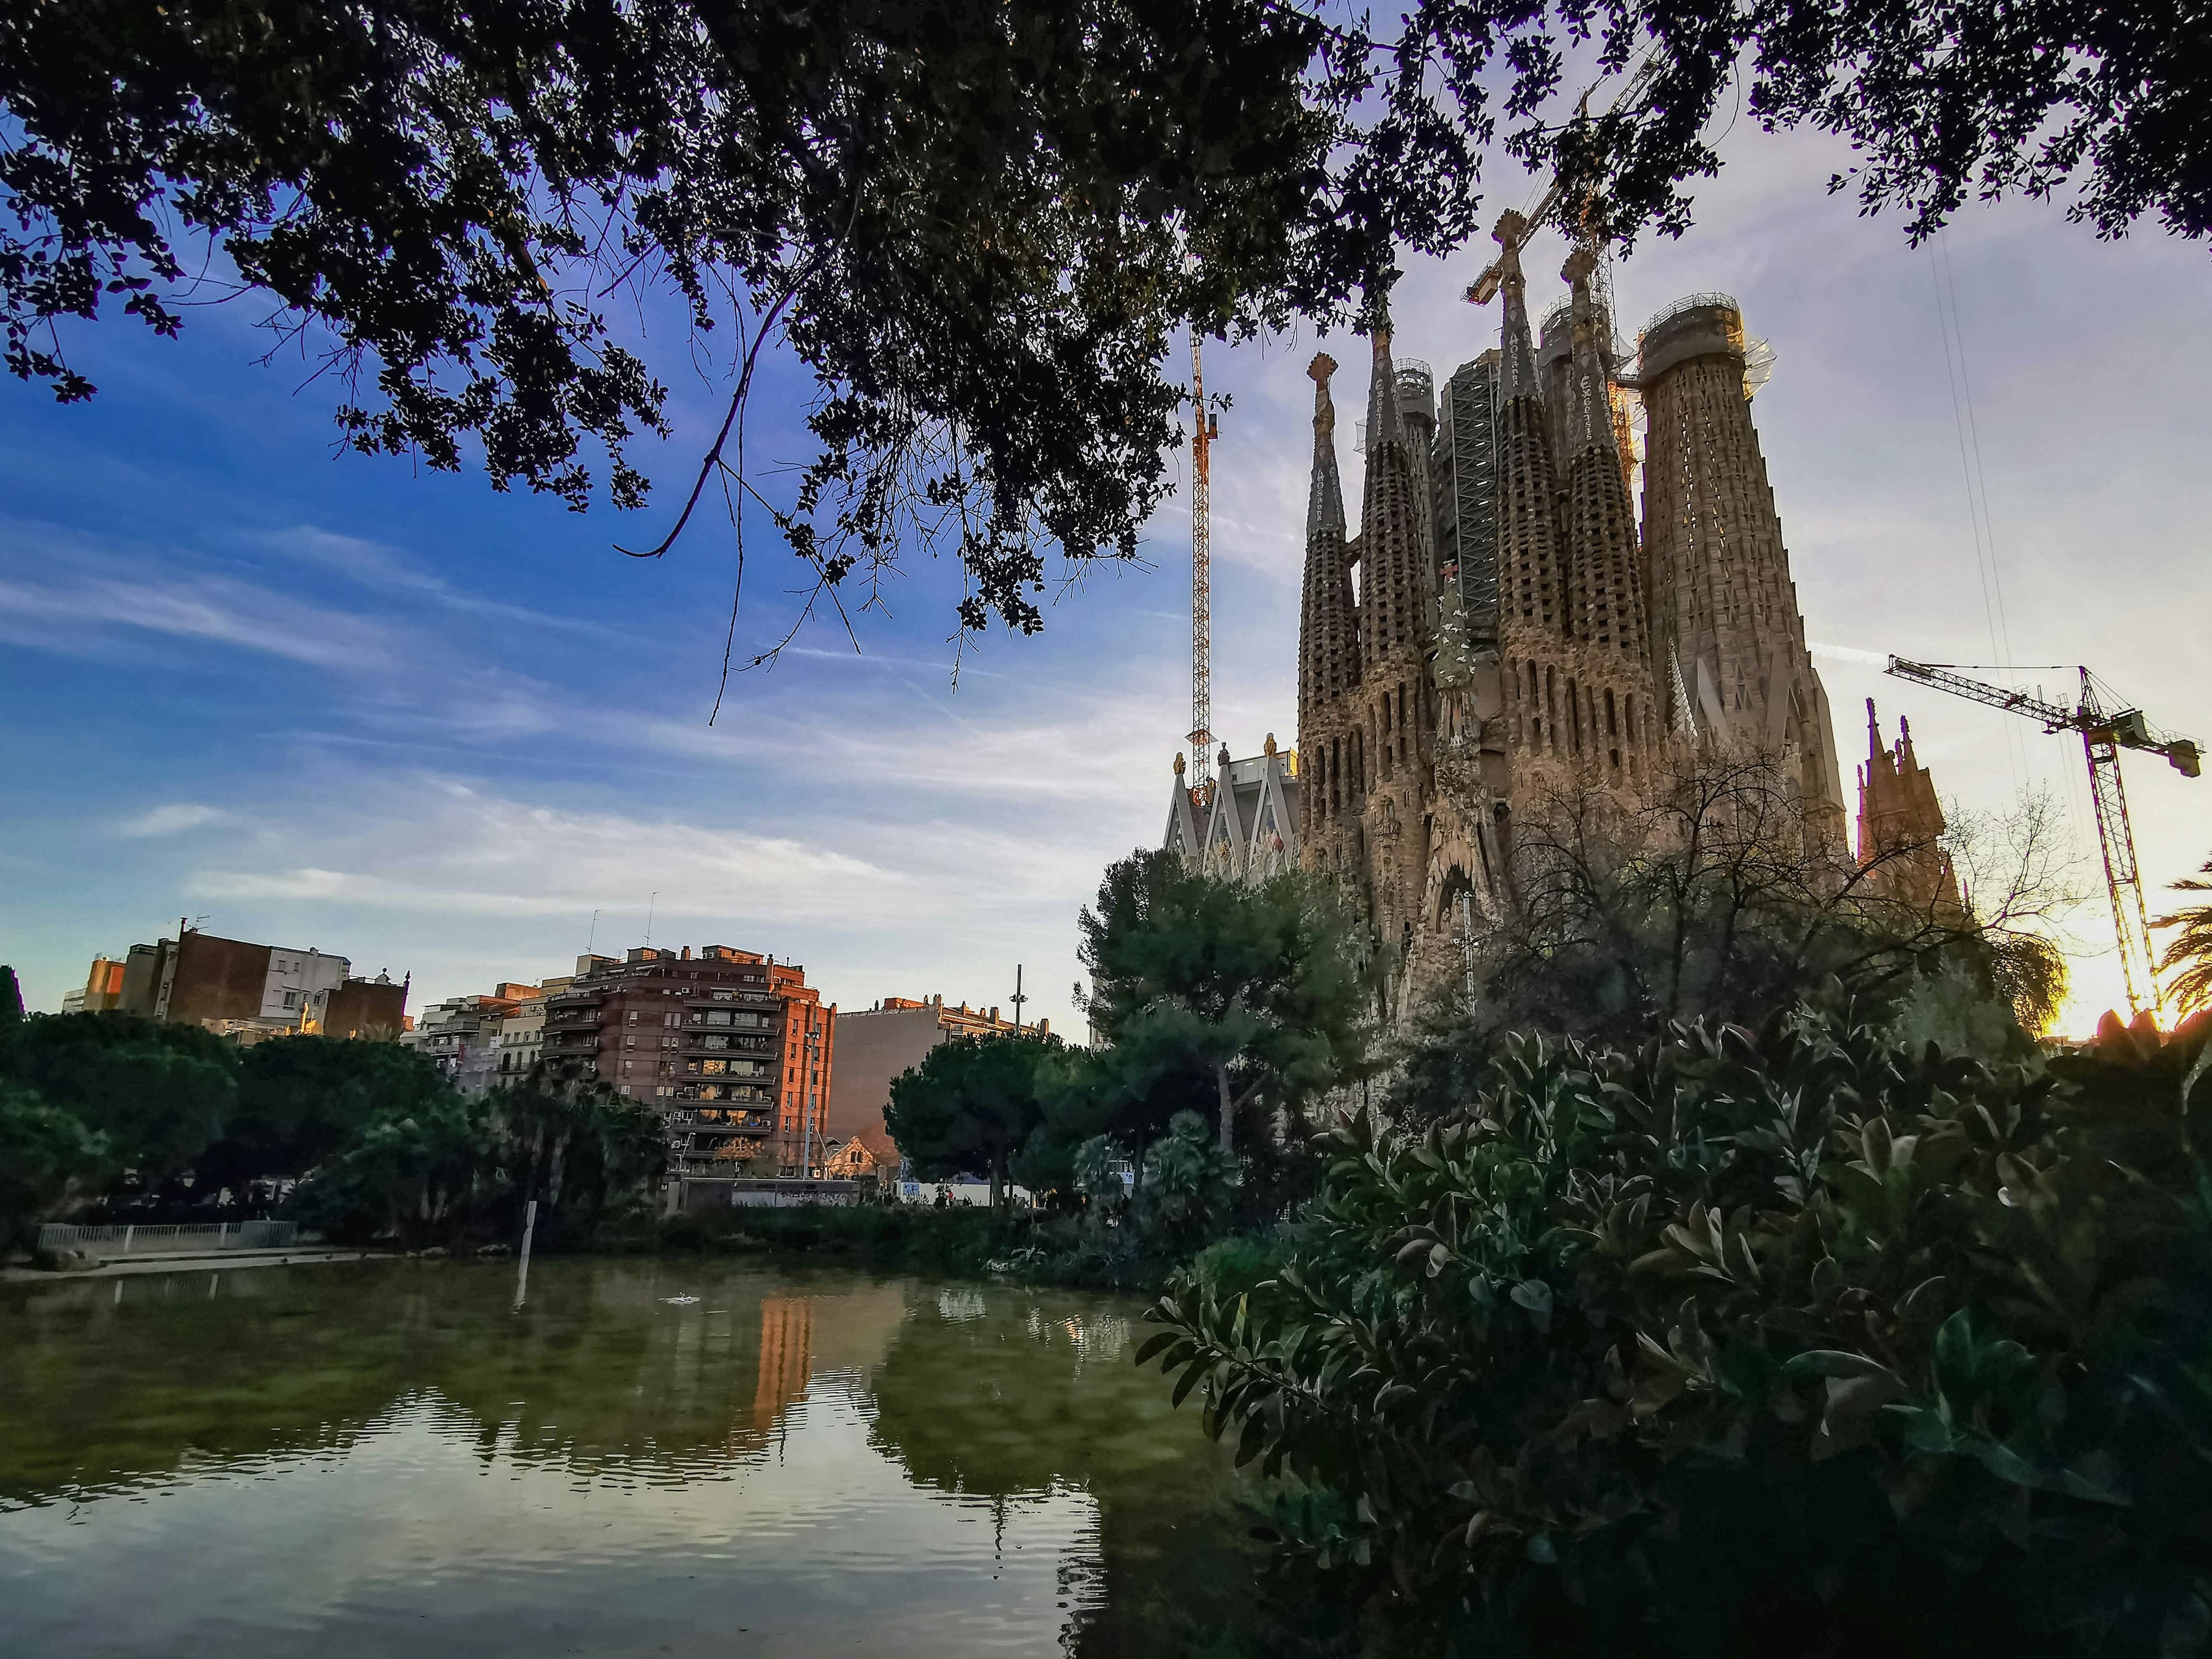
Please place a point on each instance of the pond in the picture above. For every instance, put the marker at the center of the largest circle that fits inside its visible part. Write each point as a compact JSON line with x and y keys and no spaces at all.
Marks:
{"x":651,"y":1456}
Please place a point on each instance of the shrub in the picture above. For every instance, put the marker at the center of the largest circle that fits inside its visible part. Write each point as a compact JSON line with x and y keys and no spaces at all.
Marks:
{"x":1792,"y":1340}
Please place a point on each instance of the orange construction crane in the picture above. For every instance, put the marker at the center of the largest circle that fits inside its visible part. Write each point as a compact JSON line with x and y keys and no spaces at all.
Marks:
{"x":1203,"y":433}
{"x":2107,"y":726}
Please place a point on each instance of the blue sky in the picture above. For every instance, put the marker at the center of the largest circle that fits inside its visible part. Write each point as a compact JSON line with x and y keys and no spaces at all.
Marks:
{"x":327,"y":701}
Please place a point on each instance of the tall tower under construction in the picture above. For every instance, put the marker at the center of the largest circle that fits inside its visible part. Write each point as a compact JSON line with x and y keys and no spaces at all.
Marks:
{"x":1729,"y":639}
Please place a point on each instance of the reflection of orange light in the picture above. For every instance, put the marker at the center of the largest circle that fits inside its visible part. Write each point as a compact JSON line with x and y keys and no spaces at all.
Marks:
{"x":786,"y":1352}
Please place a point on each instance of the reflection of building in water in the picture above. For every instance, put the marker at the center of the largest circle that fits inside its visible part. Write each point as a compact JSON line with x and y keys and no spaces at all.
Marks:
{"x":787,"y":1344}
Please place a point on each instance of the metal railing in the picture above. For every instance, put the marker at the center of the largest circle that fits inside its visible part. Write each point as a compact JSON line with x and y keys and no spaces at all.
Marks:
{"x":1692,"y":302}
{"x":188,"y":1238}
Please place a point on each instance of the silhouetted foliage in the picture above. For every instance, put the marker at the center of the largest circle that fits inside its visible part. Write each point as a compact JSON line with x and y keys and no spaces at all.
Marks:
{"x":977,"y":228}
{"x":442,"y":1168}
{"x":301,"y":1099}
{"x":1714,"y":896}
{"x":159,"y":1093}
{"x":2188,"y":955}
{"x":47,"y":1153}
{"x":1744,"y":1342}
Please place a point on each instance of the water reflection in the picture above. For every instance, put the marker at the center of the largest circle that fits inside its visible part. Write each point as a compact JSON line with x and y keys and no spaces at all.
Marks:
{"x":387,"y":1457}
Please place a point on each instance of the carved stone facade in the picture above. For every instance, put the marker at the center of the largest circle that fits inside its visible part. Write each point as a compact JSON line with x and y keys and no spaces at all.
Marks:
{"x":1722,"y":596}
{"x":1901,"y":824}
{"x":1500,"y":628}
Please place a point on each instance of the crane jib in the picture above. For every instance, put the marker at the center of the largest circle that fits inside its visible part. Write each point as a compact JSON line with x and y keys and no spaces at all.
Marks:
{"x":2104,"y":732}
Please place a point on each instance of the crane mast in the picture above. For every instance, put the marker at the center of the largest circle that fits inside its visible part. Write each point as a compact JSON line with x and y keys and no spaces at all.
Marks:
{"x":2104,"y":732}
{"x":1203,"y":433}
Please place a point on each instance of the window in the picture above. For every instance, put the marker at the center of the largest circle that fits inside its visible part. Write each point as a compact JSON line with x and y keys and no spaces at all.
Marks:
{"x":713,"y":1066}
{"x":713,"y":1043}
{"x":672,"y":1019}
{"x":633,"y":1016}
{"x":629,"y":1043}
{"x":718,"y":1017}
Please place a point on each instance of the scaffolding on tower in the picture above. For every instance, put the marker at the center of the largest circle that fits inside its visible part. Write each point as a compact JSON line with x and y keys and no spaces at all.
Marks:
{"x":1203,"y":430}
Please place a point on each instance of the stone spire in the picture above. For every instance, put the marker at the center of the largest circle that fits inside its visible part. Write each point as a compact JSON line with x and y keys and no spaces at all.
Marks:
{"x":1604,"y":577}
{"x":1721,"y":604}
{"x":1328,"y":632}
{"x":1519,"y":378}
{"x":1532,"y":618}
{"x":1901,"y":824}
{"x":1383,"y":425}
{"x":1325,"y":504}
{"x":1394,"y":608}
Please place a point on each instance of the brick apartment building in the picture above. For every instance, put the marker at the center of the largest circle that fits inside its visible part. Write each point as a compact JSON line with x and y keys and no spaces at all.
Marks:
{"x":874,"y":1045}
{"x":732,"y":1047}
{"x":243,"y":990}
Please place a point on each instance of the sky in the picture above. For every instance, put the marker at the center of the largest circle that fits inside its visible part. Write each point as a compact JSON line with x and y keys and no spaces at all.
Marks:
{"x":318,"y":700}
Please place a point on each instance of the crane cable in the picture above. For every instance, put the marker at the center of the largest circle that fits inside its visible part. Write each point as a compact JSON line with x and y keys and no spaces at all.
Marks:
{"x":1944,"y":278}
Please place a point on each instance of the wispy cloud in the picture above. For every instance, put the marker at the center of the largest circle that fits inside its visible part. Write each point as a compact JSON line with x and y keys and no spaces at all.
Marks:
{"x":70,"y":610}
{"x":380,"y":568}
{"x":441,"y":847}
{"x":170,"y":820}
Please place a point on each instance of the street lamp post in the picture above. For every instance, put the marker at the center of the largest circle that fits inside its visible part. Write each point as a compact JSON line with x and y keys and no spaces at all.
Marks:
{"x":807,"y":1105}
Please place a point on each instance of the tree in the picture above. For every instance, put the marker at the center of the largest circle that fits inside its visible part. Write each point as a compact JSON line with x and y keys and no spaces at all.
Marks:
{"x":1791,"y":1340}
{"x":429,"y":1166}
{"x":1257,"y":987}
{"x":581,"y":1148}
{"x":422,"y":1174}
{"x":302,"y":1099}
{"x":161,"y":1094}
{"x":46,"y":1151}
{"x":968,"y":1106}
{"x":2188,"y":954}
{"x":976,"y":227}
{"x":1712,"y":895}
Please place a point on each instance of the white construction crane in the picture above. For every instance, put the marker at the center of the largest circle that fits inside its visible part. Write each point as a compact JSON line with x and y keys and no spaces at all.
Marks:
{"x":2107,"y":726}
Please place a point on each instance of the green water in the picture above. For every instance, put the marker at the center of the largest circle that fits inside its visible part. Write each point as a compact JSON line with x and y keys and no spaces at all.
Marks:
{"x":387,"y":1458}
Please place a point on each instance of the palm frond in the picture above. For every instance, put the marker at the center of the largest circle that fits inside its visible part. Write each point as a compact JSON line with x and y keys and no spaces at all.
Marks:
{"x":2188,"y":954}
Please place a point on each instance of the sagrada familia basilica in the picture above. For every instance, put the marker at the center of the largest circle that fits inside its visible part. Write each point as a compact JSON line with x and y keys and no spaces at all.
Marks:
{"x":1500,"y":625}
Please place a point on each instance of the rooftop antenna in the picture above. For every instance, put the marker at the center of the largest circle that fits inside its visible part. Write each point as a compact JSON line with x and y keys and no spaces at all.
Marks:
{"x":1018,"y":998}
{"x":651,"y":904}
{"x":592,"y":939}
{"x":1203,"y":433}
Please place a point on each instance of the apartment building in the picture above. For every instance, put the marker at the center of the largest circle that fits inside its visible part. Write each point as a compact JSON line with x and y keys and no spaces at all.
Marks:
{"x":462,"y":1035}
{"x":874,"y":1045}
{"x":243,"y":990}
{"x":733,"y":1048}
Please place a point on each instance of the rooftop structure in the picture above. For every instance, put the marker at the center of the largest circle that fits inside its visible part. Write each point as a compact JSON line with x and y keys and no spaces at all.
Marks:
{"x":1243,"y":822}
